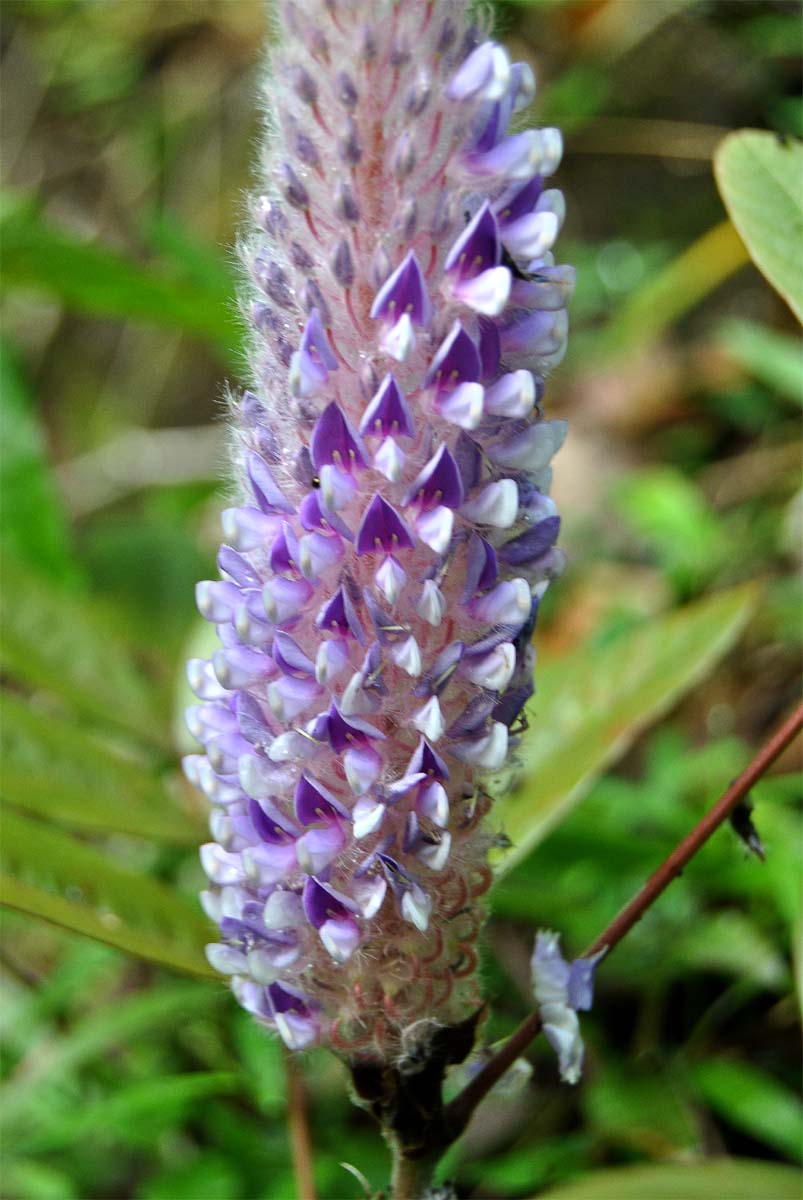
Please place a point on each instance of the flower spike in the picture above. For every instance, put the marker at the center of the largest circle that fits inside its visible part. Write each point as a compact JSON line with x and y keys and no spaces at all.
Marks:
{"x":381,"y":571}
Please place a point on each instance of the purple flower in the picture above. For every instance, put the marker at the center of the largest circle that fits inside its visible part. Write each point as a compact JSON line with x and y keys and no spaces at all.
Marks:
{"x":382,"y":569}
{"x":562,"y":989}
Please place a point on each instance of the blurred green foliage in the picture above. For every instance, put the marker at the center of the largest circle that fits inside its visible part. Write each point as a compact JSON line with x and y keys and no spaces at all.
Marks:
{"x":127,"y":147}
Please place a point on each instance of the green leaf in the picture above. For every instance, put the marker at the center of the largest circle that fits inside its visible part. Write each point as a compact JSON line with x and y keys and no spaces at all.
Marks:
{"x":54,"y":767}
{"x":760,"y":179}
{"x":536,"y":1163}
{"x":753,"y":1101}
{"x":668,"y":294}
{"x":642,"y":1108}
{"x":25,"y":1177}
{"x":158,"y":598}
{"x":32,"y":520}
{"x":772,"y":358}
{"x":128,"y":1019}
{"x":731,"y":943}
{"x":672,"y":516}
{"x":135,"y":1114}
{"x":263,"y":1064}
{"x":591,"y":704}
{"x":51,"y":875}
{"x":58,"y":642}
{"x":210,"y":1175}
{"x":728,"y":1178}
{"x":93,"y":279}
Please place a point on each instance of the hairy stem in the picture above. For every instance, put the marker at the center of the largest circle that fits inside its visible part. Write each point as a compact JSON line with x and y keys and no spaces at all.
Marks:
{"x":459,"y":1111}
{"x":411,"y":1177}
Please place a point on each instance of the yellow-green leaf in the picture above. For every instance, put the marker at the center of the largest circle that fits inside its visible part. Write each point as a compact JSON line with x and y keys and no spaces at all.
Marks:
{"x":56,"y":767}
{"x":591,"y":704}
{"x":49,"y":874}
{"x":59,"y":642}
{"x":760,"y":179}
{"x":727,"y":1178}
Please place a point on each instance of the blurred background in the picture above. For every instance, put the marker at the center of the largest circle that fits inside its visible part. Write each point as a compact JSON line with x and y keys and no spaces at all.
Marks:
{"x":130,"y":134}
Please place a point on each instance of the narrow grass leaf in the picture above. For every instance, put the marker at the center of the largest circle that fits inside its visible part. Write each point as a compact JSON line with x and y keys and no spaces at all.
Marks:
{"x":51,"y":1060}
{"x":54,"y":876}
{"x":94,"y":279}
{"x":55,"y":767}
{"x":32,"y":520}
{"x":135,"y":1114}
{"x":752,"y":1101}
{"x":60,"y":643}
{"x":773,"y":358}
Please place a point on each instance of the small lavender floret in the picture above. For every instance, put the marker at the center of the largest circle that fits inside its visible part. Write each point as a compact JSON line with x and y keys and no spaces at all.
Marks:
{"x":562,"y":990}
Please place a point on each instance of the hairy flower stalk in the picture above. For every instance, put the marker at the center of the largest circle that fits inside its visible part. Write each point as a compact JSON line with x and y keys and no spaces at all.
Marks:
{"x":382,"y":571}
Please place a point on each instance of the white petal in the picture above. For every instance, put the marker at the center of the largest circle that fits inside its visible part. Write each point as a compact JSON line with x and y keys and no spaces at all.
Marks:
{"x":407,"y":656}
{"x":329,"y":661}
{"x":399,"y":339}
{"x":416,"y":909}
{"x":553,"y":201}
{"x":435,"y":527}
{"x":362,"y":767}
{"x":226,"y":959}
{"x":296,"y":1032}
{"x":290,"y":746}
{"x":562,"y":1031}
{"x":487,"y":293}
{"x":429,"y":720}
{"x":431,"y":606}
{"x":284,"y":910}
{"x":436,"y":856}
{"x":532,"y":235}
{"x":434,"y":804}
{"x":511,"y":396}
{"x":369,"y":893}
{"x":337,"y":488}
{"x":211,"y":904}
{"x":496,"y":505}
{"x":390,"y":578}
{"x":494,"y":670}
{"x":509,"y":603}
{"x":367,"y":815}
{"x":463,"y":406}
{"x":389,"y":459}
{"x":340,"y":938}
{"x":489,"y":752}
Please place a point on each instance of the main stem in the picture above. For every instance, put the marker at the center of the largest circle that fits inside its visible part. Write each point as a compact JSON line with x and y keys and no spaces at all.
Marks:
{"x":459,"y":1111}
{"x":411,"y":1176}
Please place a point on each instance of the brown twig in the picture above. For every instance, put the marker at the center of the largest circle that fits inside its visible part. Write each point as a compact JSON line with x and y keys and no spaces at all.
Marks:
{"x":298,"y":1126}
{"x":459,"y":1111}
{"x":682,"y":854}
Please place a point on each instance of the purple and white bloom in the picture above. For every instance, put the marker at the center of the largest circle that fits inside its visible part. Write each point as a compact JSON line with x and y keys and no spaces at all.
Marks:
{"x":562,"y":990}
{"x":383,"y":566}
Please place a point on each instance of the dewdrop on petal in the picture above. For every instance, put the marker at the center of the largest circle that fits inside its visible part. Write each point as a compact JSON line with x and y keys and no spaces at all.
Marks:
{"x":381,"y":572}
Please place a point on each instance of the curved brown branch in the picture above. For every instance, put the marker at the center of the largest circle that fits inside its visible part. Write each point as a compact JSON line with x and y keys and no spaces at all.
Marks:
{"x":459,"y":1111}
